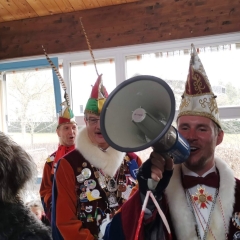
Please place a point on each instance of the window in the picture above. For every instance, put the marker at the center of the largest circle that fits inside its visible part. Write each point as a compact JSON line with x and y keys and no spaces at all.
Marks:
{"x":220,"y":63}
{"x":83,"y":77}
{"x":81,"y":109}
{"x":29,"y":96}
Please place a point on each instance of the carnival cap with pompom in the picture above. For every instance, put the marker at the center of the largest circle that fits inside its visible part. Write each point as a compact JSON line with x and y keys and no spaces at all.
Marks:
{"x":198,"y":98}
{"x":97,"y":98}
{"x":99,"y":93}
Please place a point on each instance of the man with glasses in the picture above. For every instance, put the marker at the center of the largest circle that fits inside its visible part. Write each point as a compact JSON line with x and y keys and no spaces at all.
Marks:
{"x":92,"y":181}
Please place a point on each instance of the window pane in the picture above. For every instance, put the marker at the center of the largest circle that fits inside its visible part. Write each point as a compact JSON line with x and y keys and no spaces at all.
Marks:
{"x":31,"y":114}
{"x":83,"y":77}
{"x":220,"y":63}
{"x":229,"y":149}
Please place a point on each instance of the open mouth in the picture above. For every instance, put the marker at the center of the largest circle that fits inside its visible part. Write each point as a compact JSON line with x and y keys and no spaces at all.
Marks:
{"x":193,"y":149}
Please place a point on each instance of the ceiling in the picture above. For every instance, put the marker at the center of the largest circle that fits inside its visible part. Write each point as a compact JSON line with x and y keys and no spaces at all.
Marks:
{"x":11,"y":10}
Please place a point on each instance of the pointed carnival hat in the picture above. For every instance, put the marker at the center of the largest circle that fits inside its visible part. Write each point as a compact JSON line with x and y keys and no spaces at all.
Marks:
{"x":66,"y":115}
{"x":97,"y":98}
{"x":99,"y":93}
{"x":198,"y":98}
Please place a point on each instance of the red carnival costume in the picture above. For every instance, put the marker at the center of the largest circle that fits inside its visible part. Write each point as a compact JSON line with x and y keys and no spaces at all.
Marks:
{"x":66,"y":117}
{"x":90,"y":182}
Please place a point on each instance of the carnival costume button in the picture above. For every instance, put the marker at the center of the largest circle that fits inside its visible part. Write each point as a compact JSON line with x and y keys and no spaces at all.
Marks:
{"x":95,"y":193}
{"x":84,"y":164}
{"x":86,"y":172}
{"x":89,"y":209}
{"x":90,"y":183}
{"x":83,"y":197}
{"x":80,"y":178}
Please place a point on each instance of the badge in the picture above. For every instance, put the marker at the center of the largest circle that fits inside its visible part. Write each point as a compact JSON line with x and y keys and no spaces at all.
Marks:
{"x":112,"y":185}
{"x":90,"y":183}
{"x":236,"y":236}
{"x":80,"y":178}
{"x":88,"y":209}
{"x":202,"y":197}
{"x":102,"y":182}
{"x":83,"y":197}
{"x":83,"y":188}
{"x":82,"y":216}
{"x":90,"y":218}
{"x":84,"y":164}
{"x":86,"y":172}
{"x":133,"y":168}
{"x":122,"y":187}
{"x":236,"y":220}
{"x":93,"y":195}
{"x":112,"y":200}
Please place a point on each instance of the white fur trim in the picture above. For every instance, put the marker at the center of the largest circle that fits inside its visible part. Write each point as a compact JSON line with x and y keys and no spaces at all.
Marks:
{"x":181,"y":215}
{"x":108,"y":161}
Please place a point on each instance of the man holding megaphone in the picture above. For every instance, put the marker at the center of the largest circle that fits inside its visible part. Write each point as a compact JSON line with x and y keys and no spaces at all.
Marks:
{"x":201,"y":200}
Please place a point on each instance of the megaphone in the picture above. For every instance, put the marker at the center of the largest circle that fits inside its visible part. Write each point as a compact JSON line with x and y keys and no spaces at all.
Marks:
{"x":138,"y":114}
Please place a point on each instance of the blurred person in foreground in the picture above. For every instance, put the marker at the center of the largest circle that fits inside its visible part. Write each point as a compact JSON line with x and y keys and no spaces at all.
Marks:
{"x":202,"y":199}
{"x":91,"y":182}
{"x":66,"y":131}
{"x":17,"y":169}
{"x":36,"y":207}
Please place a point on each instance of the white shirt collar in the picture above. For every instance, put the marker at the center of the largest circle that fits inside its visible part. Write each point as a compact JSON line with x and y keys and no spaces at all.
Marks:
{"x":187,"y":171}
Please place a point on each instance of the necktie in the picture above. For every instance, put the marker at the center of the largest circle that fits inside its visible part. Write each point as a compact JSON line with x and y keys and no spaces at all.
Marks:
{"x":211,"y":180}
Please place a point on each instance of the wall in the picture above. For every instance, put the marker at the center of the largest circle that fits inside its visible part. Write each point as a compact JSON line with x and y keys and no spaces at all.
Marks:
{"x":134,"y":23}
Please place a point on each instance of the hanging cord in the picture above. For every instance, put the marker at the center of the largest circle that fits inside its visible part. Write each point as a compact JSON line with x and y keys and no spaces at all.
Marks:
{"x":150,"y":194}
{"x":89,"y":46}
{"x":59,"y":76}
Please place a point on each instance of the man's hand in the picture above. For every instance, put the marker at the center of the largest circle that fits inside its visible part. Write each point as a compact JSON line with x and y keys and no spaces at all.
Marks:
{"x":157,"y":168}
{"x":159,"y":165}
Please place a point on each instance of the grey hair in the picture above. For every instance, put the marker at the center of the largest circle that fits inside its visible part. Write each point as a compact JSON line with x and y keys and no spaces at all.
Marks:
{"x":35,"y":203}
{"x":17,"y":168}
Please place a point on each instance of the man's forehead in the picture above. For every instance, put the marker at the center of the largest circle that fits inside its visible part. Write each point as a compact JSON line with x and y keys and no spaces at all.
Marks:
{"x":71,"y":124}
{"x":92,"y":115}
{"x":189,"y":119}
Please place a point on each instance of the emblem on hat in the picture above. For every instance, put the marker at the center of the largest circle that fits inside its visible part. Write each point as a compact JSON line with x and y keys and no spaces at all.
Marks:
{"x":198,"y":98}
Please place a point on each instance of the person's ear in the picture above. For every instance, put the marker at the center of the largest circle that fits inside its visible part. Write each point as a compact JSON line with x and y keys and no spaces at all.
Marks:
{"x":220,"y":137}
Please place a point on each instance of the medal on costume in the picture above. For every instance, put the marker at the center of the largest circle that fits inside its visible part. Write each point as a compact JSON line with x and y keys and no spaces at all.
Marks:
{"x":202,"y":197}
{"x":112,"y":185}
{"x":236,"y":220}
{"x":80,"y":178}
{"x":112,"y":200}
{"x":86,"y":172}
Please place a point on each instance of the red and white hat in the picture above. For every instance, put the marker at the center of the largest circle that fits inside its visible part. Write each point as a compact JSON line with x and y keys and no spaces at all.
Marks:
{"x":198,"y":98}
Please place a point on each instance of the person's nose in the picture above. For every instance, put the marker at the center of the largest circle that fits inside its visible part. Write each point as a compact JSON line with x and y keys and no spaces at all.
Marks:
{"x":98,"y":123}
{"x":72,"y":131}
{"x":191,"y":135}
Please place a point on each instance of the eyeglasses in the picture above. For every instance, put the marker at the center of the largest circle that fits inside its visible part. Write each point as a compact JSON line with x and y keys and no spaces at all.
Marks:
{"x":92,"y":121}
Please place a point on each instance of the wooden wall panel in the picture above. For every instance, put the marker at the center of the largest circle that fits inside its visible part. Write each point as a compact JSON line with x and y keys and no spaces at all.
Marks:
{"x":132,"y":23}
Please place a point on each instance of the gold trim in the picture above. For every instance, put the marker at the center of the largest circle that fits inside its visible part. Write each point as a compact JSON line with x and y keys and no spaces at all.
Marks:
{"x":202,"y":114}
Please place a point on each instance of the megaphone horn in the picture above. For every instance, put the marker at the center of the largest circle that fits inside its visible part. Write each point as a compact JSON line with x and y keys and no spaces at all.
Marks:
{"x":138,"y":114}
